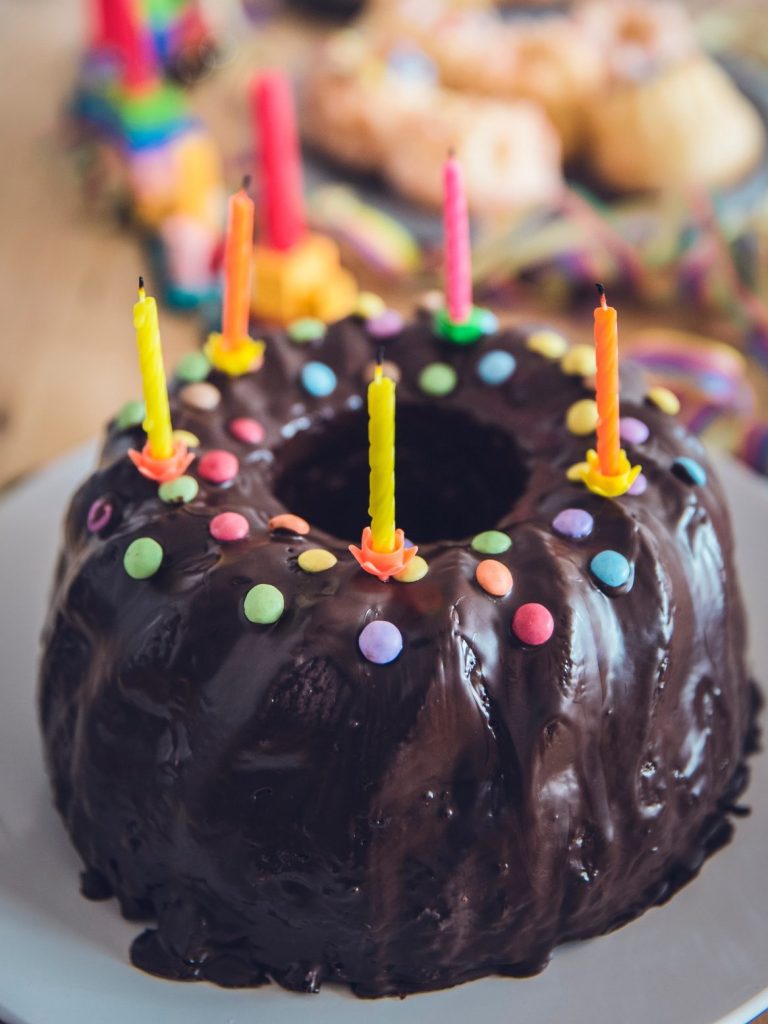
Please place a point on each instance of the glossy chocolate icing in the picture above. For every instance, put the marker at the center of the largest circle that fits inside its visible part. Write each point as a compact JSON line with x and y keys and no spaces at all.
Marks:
{"x":285,"y":809}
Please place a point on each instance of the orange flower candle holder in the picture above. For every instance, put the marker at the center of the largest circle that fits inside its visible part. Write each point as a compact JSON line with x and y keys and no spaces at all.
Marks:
{"x":382,"y":564}
{"x":162,"y":470}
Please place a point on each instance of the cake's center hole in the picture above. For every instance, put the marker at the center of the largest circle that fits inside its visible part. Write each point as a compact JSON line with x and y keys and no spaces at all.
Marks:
{"x":455,"y":477}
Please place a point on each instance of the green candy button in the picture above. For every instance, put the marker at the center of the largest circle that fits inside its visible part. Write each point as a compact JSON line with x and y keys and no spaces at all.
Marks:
{"x":193,"y":368}
{"x":306,"y":329}
{"x":179,"y":491}
{"x":131,"y":415}
{"x":264,"y":604}
{"x":142,"y":558}
{"x":491,"y":542}
{"x":437,"y":379}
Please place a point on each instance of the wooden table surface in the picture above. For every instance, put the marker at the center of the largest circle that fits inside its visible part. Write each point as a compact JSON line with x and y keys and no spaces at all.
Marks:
{"x":67,"y":278}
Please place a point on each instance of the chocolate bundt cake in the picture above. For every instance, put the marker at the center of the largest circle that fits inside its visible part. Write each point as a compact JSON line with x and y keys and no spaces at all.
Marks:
{"x":296,"y":771}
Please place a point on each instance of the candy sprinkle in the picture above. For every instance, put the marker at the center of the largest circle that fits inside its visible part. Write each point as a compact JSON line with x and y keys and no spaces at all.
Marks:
{"x":610,"y":568}
{"x":202,"y":396}
{"x":369,"y":305}
{"x":665,"y":400}
{"x":496,"y":367}
{"x":491,"y":542}
{"x":533,"y":624}
{"x":263,"y":604}
{"x":142,"y":558}
{"x":579,"y":361}
{"x":180,"y":491}
{"x":380,"y":642}
{"x":218,"y":466}
{"x":187,"y":438}
{"x":289,"y":523}
{"x":318,"y":379}
{"x":388,"y":324}
{"x":639,"y":485}
{"x":575,"y":523}
{"x":438,"y":379}
{"x":690,"y":471}
{"x":633,"y":431}
{"x":549,"y":344}
{"x":581,"y":417}
{"x":228,"y":527}
{"x":494,"y":577}
{"x":194,"y":367}
{"x":316,"y":560}
{"x":247,"y":430}
{"x":99,"y":515}
{"x":416,"y":570}
{"x":307,"y":329}
{"x":131,"y":415}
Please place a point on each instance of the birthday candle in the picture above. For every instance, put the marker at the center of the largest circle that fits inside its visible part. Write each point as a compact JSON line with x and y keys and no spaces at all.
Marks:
{"x":381,"y":438}
{"x":607,"y":387}
{"x":282,"y":207}
{"x":458,"y":276}
{"x":238,"y":260}
{"x":157,"y":422}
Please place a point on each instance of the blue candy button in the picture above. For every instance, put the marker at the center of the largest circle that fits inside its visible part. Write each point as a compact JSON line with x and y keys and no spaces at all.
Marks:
{"x":318,"y":379}
{"x":610,"y":568}
{"x":496,"y":366}
{"x":690,"y":471}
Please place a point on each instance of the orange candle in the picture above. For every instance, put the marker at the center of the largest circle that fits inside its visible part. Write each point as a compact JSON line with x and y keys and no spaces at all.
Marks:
{"x":238,"y":268}
{"x":607,"y":387}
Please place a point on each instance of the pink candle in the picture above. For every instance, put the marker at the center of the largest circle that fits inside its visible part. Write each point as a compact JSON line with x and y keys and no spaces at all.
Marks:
{"x":458,"y":273}
{"x":274,"y":121}
{"x":133,"y":41}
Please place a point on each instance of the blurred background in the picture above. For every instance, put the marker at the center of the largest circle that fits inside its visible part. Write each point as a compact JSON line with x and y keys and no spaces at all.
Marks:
{"x":607,"y":140}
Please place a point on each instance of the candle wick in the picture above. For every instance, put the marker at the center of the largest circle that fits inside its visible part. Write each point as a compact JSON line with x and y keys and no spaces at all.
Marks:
{"x":247,"y":179}
{"x":141,"y":283}
{"x":380,"y":355}
{"x":601,"y":293}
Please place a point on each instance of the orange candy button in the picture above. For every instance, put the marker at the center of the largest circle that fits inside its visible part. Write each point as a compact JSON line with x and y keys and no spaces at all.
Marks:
{"x":286,"y":521}
{"x":494,"y":577}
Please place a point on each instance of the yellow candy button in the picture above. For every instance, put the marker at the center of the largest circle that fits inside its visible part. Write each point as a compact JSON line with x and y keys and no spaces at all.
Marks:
{"x":581,"y":418}
{"x":369,"y":305}
{"x":416,"y":570}
{"x":579,"y":361}
{"x":549,"y":344}
{"x":317,"y":560}
{"x":187,"y":437}
{"x":665,"y":400}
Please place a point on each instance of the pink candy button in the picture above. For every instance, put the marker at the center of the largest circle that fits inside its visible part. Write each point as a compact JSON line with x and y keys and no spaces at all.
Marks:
{"x":229,"y":526}
{"x":247,"y":430}
{"x":533,"y":624}
{"x":218,"y":466}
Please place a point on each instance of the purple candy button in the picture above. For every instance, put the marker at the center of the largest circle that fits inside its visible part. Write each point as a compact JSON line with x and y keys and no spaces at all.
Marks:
{"x":380,"y":642}
{"x":639,"y":485}
{"x":574,"y":523}
{"x":633,"y":431}
{"x":99,"y":515}
{"x":385,"y":325}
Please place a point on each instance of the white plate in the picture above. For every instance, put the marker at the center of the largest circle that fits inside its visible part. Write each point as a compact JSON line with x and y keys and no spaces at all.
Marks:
{"x":701,"y":959}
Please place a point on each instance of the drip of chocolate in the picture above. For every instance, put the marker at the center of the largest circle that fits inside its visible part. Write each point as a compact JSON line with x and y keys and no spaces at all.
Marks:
{"x":280,"y":807}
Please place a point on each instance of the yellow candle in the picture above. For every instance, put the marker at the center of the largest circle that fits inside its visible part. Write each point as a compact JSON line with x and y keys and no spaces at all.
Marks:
{"x":381,"y":438}
{"x":157,"y":422}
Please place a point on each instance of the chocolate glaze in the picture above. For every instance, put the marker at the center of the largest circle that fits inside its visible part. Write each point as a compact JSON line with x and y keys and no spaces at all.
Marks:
{"x":282,"y":808}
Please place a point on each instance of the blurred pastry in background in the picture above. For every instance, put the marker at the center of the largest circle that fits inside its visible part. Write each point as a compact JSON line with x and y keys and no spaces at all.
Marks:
{"x":383,"y":112}
{"x":669,"y":116}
